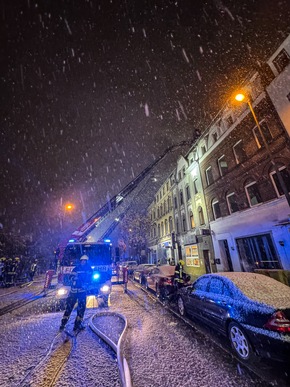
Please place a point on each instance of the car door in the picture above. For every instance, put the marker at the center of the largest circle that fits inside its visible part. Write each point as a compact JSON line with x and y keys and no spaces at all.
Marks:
{"x":151,"y":278}
{"x":216,"y":303}
{"x":194,"y":298}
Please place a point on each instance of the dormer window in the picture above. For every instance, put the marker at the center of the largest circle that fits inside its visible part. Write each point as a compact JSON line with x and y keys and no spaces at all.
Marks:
{"x":281,"y":61}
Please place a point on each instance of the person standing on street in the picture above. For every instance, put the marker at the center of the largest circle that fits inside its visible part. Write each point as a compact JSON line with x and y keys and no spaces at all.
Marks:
{"x":32,"y":271}
{"x":81,"y":278}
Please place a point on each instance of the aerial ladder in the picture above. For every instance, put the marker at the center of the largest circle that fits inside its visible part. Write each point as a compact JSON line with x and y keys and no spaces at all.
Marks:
{"x":102,"y":223}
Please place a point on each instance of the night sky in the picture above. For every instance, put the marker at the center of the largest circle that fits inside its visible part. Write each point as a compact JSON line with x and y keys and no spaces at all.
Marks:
{"x":93,"y":91}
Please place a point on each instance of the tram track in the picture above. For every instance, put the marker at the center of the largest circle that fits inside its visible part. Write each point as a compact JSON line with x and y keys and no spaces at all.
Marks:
{"x":20,"y":303}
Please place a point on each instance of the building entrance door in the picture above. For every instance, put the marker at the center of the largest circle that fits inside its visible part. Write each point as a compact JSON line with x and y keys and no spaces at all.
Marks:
{"x":206,"y":261}
{"x":225,"y":254}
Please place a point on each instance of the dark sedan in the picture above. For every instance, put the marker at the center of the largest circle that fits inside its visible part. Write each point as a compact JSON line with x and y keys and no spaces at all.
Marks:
{"x":160,"y":280}
{"x":252,"y":310}
{"x":141,"y":271}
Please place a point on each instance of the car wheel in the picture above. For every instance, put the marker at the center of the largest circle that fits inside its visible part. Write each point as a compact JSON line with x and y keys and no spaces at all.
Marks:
{"x":181,"y":307}
{"x":240,"y":342}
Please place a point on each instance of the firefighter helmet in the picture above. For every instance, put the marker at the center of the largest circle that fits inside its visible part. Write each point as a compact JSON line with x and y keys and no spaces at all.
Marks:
{"x":84,"y":257}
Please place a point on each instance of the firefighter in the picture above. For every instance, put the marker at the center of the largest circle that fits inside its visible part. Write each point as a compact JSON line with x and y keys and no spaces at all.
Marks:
{"x":81,"y":278}
{"x":179,"y":274}
{"x":2,"y":269}
{"x":10,"y":272}
{"x":32,"y":271}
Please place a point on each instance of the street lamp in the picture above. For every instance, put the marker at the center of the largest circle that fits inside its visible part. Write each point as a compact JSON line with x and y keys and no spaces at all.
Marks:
{"x":241,"y":97}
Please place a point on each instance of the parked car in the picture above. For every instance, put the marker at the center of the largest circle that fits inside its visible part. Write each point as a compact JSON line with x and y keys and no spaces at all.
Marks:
{"x":140,"y":272}
{"x":160,"y":280}
{"x":131,"y":266}
{"x":252,"y":310}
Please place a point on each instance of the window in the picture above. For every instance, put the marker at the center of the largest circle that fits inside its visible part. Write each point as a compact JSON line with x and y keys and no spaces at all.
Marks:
{"x":201,"y":284}
{"x":181,"y":197}
{"x":232,"y":202}
{"x":253,"y":194}
{"x":223,"y":165}
{"x":286,"y":178}
{"x":257,"y":252}
{"x":159,"y":230}
{"x":179,"y":175}
{"x":216,"y":209}
{"x":164,"y":207}
{"x":170,"y":224}
{"x":162,"y":229}
{"x":154,"y":215}
{"x":158,"y":213}
{"x":177,"y":226}
{"x":187,"y":192}
{"x":166,"y":226}
{"x":203,"y":150}
{"x":167,"y":186}
{"x":175,"y":202}
{"x":216,"y":286}
{"x":169,"y":203}
{"x":266,"y":132}
{"x":209,"y":176}
{"x":214,"y":137}
{"x":195,"y":189}
{"x":183,"y":171}
{"x":201,"y":216}
{"x":192,"y":224}
{"x":239,"y":152}
{"x":281,"y":60}
{"x":184,"y":227}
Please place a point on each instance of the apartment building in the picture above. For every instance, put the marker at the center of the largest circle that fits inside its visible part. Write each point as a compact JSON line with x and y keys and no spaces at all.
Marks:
{"x":160,"y":213}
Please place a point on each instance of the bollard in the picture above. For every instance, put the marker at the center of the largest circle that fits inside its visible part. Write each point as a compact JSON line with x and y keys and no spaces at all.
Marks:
{"x":48,"y":278}
{"x":125,"y":278}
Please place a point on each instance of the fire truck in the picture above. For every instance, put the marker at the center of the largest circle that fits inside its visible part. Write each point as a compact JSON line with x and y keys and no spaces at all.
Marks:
{"x":92,"y":237}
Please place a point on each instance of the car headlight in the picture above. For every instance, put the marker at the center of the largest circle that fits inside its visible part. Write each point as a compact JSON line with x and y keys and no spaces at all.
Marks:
{"x":105,"y":289}
{"x":62,"y":292}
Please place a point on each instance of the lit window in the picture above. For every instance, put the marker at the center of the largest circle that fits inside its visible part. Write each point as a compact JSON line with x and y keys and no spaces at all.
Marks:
{"x":192,"y":224}
{"x":286,"y":178}
{"x":239,"y":152}
{"x":216,"y":209}
{"x":232,"y":202}
{"x":253,"y":193}
{"x":209,"y":176}
{"x":223,"y":165}
{"x":266,"y":133}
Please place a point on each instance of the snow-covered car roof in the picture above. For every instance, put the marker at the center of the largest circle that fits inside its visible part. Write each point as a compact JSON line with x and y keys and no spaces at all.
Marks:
{"x":259,"y":287}
{"x":166,"y":270}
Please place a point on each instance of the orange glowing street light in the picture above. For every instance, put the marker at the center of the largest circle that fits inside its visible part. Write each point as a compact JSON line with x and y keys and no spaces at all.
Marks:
{"x":241,"y":97}
{"x":69,"y":207}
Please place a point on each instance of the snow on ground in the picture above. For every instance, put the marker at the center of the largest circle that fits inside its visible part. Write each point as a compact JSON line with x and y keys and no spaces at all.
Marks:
{"x":160,"y":349}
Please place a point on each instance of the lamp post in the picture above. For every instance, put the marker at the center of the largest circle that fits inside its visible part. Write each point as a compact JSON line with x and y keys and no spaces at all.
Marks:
{"x":241,"y":97}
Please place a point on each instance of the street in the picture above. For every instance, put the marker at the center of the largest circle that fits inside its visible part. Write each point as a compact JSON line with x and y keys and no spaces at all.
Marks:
{"x":161,"y":349}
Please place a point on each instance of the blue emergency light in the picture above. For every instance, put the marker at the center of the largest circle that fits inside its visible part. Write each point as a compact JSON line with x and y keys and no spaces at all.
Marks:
{"x":96,"y":276}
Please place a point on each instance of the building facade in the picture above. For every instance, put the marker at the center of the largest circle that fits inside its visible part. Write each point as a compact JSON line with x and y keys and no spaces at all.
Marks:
{"x":161,"y":218}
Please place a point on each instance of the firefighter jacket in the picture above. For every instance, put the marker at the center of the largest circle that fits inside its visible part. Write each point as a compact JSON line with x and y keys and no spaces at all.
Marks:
{"x":81,"y":278}
{"x":178,"y":274}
